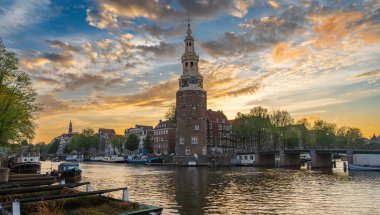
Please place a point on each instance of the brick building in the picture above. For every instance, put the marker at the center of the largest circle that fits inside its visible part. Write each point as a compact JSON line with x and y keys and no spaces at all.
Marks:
{"x":219,"y":134}
{"x":105,"y":145}
{"x":164,"y":138}
{"x":191,"y":106}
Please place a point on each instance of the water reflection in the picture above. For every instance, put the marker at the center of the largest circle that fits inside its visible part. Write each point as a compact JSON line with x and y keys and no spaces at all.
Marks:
{"x":242,"y":190}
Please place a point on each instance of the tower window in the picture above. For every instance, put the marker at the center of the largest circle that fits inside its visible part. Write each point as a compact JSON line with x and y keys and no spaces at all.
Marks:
{"x":191,"y":64}
{"x":189,"y":44}
{"x":186,"y":64}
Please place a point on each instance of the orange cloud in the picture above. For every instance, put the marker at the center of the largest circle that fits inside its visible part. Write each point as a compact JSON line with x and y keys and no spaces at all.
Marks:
{"x":283,"y":51}
{"x":331,"y":29}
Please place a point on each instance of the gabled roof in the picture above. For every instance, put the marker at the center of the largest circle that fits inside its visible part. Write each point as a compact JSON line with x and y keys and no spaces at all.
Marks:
{"x":164,"y":124}
{"x":107,"y":130}
{"x":213,"y":115}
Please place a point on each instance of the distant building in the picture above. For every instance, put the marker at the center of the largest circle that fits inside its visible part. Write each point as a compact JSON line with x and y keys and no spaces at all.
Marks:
{"x":219,"y":134}
{"x":64,"y":139}
{"x":164,"y":138}
{"x":141,"y":131}
{"x":105,"y":144}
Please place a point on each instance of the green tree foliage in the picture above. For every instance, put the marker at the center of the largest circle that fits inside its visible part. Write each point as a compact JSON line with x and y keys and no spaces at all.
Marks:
{"x":324,"y":133}
{"x":148,"y":143}
{"x":18,"y":107}
{"x":117,"y":141}
{"x":54,"y":145}
{"x":84,"y":141}
{"x":348,"y":137}
{"x":132,"y":142}
{"x":171,"y":115}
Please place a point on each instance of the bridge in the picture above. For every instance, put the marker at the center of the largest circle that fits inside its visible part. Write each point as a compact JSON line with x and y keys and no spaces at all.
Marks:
{"x":320,"y":158}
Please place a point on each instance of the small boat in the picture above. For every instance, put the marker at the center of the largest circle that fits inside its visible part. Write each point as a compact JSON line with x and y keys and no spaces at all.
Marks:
{"x":363,"y":168}
{"x":74,"y":158}
{"x":113,"y":159}
{"x":70,"y":172}
{"x":143,"y":159}
{"x":26,"y":163}
{"x":96,"y":158}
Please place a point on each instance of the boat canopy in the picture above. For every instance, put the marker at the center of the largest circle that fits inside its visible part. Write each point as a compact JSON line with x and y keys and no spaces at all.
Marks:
{"x":69,"y":164}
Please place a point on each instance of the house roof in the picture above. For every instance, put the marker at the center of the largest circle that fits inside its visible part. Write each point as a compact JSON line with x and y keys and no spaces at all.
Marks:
{"x":164,"y":124}
{"x":214,"y":115}
{"x":107,"y":130}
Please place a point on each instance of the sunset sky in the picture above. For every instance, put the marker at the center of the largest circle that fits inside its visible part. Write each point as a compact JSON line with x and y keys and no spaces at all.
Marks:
{"x":114,"y":63}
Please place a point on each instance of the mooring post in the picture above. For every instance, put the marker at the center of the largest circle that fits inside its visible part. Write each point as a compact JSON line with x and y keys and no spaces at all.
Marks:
{"x":16,"y":208}
{"x":62,"y":182}
{"x":88,"y":187}
{"x":334,"y":163}
{"x":344,"y":166}
{"x":125,"y":195}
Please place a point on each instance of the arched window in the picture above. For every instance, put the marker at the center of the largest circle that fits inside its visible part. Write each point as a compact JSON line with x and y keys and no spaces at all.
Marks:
{"x":186,"y":64}
{"x":190,"y":44}
{"x":191,"y":64}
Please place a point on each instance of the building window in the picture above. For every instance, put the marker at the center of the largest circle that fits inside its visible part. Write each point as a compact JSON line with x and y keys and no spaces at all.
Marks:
{"x":204,"y":150}
{"x":219,"y":126}
{"x":187,"y":151}
{"x":197,"y":127}
{"x":194,"y":140}
{"x":210,"y":125}
{"x":223,"y":121}
{"x":181,"y":140}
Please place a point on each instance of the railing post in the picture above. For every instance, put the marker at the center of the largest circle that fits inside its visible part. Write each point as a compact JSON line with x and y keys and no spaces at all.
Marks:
{"x":125,"y":195}
{"x":88,"y":187}
{"x":16,"y":208}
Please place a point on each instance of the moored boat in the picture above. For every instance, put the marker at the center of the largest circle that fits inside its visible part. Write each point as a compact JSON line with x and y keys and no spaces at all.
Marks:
{"x":26,"y":163}
{"x":353,"y":167}
{"x":143,"y":159}
{"x":113,"y":159}
{"x":70,"y":172}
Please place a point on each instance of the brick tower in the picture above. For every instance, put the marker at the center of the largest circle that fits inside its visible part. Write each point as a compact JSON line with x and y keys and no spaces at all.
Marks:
{"x":191,"y":105}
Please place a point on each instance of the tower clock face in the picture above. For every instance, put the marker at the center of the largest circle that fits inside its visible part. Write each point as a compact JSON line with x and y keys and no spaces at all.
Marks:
{"x":193,"y":80}
{"x":185,"y":82}
{"x":200,"y":84}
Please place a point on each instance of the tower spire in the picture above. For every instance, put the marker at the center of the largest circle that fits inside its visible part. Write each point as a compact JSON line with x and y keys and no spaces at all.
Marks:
{"x":188,"y":25}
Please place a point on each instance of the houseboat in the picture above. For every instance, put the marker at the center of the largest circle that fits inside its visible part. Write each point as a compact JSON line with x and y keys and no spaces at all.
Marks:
{"x":113,"y":159}
{"x":143,"y":159}
{"x":26,"y":163}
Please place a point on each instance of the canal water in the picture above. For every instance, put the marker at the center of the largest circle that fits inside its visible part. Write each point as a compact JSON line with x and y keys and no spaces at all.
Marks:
{"x":240,"y":190}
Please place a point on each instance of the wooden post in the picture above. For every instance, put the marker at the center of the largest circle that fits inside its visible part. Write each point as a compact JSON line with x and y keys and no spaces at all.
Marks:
{"x":16,"y":208}
{"x":88,"y":187}
{"x":125,"y":195}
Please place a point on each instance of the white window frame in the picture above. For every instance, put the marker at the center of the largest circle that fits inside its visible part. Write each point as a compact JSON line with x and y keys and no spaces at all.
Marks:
{"x":181,"y":140}
{"x":194,"y":140}
{"x":196,"y":127}
{"x":187,"y":151}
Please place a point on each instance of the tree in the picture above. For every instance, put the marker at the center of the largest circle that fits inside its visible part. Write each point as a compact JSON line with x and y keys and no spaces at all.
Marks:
{"x":324,"y":133}
{"x":117,"y":141}
{"x":171,"y":115}
{"x":84,"y":141}
{"x":132,"y":142}
{"x":18,"y":107}
{"x":280,"y":119}
{"x":54,"y":146}
{"x":148,"y":143}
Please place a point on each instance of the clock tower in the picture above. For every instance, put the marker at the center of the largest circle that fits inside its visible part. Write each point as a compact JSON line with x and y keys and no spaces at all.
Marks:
{"x":191,"y":106}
